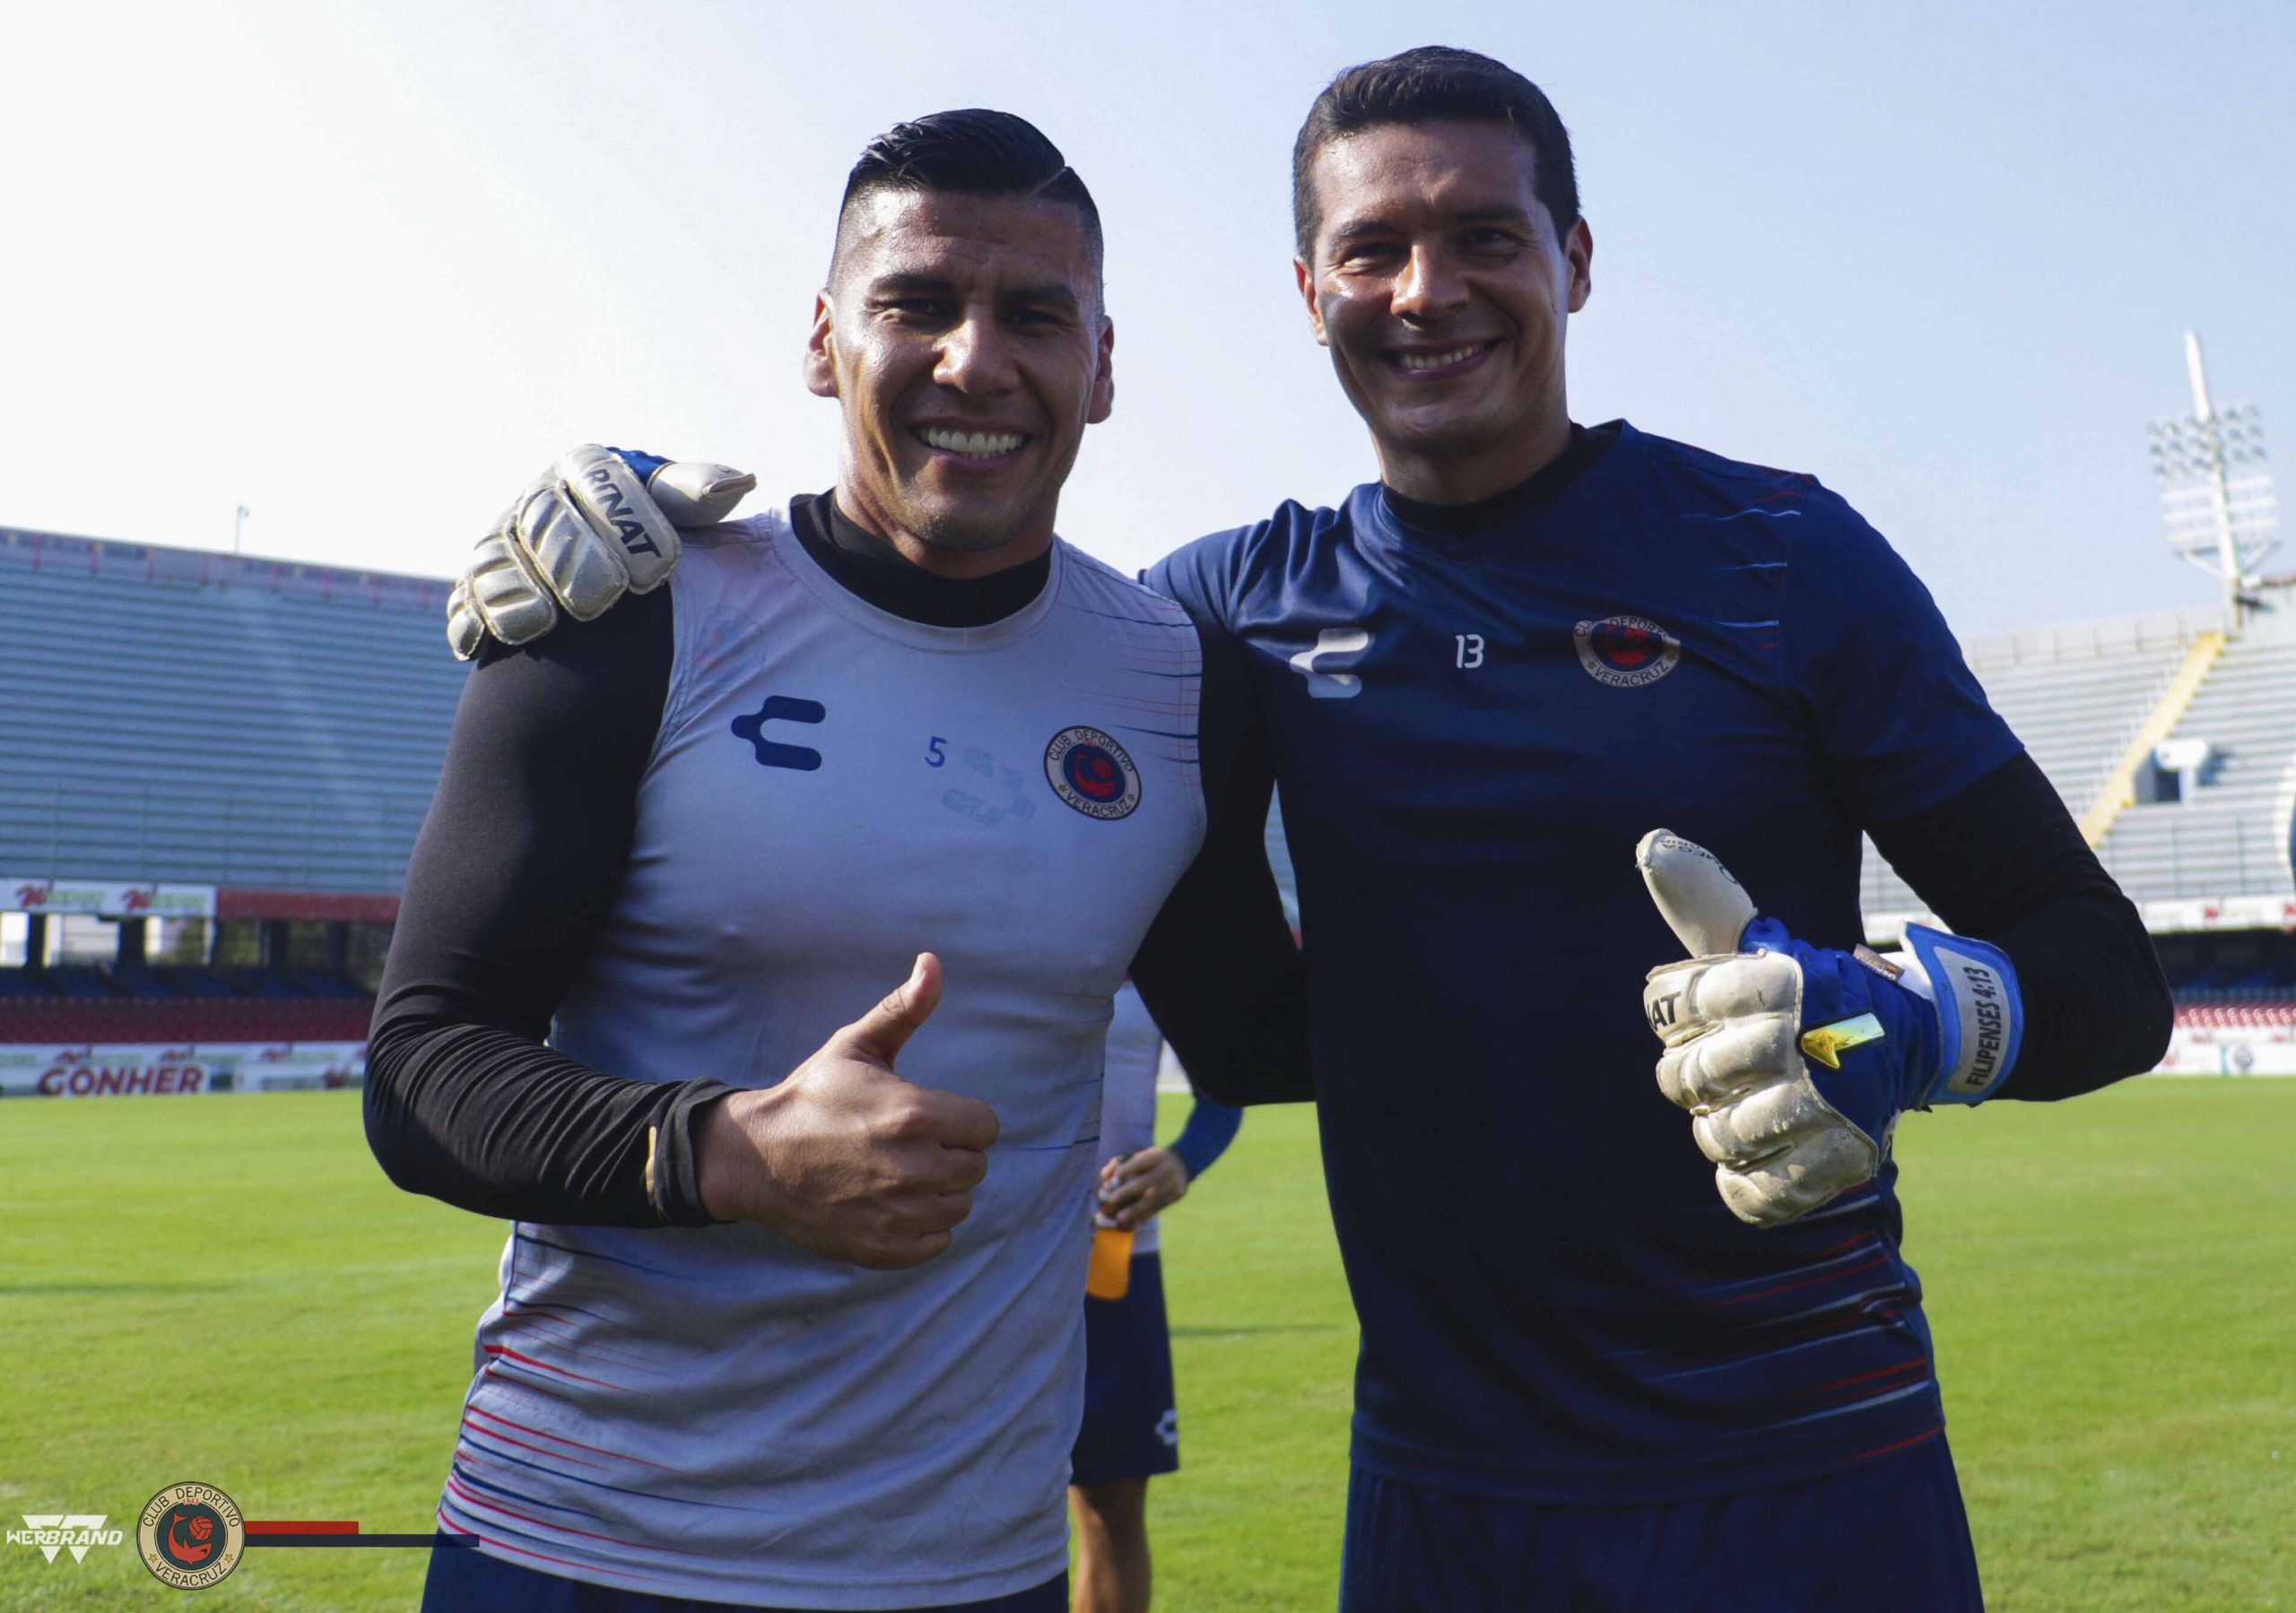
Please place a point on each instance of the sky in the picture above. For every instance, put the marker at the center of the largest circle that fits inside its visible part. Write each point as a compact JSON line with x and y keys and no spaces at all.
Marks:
{"x":366,"y":268}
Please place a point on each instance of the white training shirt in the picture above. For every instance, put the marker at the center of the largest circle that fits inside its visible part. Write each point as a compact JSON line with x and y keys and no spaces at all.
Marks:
{"x":710,"y":1412}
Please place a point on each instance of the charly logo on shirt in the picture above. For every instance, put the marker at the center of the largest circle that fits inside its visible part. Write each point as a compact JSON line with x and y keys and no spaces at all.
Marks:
{"x":1325,"y":681}
{"x":1626,"y":652}
{"x":1090,"y":771}
{"x":773,"y":753}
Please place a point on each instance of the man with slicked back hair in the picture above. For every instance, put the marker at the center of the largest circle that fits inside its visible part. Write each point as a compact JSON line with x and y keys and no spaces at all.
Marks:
{"x":791,"y":1311}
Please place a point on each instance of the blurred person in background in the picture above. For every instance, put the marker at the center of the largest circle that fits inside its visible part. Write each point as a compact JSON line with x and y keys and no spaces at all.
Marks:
{"x":1131,"y":1430}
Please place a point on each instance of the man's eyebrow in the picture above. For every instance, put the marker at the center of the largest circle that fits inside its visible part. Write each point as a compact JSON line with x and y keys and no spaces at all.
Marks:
{"x":1508,"y":213}
{"x":1355,"y":230}
{"x":889,"y":288}
{"x":886,"y":286}
{"x":1052,"y":293}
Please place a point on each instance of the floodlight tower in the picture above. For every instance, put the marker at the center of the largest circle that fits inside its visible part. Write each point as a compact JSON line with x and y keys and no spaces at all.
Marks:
{"x":2215,"y":496}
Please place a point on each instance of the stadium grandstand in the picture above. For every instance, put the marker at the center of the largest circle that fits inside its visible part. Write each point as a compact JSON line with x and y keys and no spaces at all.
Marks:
{"x":212,"y":770}
{"x":2172,"y":739}
{"x":212,"y":773}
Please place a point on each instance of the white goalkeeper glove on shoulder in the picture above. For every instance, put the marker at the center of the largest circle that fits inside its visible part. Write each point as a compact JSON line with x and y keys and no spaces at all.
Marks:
{"x":1796,"y":1059}
{"x":599,"y":523}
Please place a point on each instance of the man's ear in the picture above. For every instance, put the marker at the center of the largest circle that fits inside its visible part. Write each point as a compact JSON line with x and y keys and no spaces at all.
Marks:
{"x":1103,"y":375}
{"x":1578,"y":248}
{"x":1305,"y":276}
{"x":821,"y":350}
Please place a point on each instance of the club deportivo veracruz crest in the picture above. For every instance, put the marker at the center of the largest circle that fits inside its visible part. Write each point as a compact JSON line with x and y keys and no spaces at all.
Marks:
{"x":190,"y":1536}
{"x":1626,"y":652}
{"x":1090,"y":771}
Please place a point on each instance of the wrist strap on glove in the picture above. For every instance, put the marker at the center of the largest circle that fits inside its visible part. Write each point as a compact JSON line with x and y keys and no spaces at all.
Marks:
{"x":1980,"y":1014}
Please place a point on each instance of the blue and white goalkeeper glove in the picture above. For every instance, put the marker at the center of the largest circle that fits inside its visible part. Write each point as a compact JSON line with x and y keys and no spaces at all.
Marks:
{"x":599,"y":523}
{"x":1797,"y":1060}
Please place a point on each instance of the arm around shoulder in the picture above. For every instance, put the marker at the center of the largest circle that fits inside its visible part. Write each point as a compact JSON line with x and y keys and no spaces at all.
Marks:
{"x":1219,"y":970}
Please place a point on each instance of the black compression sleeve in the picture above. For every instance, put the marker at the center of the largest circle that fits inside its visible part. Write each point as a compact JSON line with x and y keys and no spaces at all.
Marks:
{"x":2003,"y":861}
{"x":514,"y":874}
{"x":1219,"y":971}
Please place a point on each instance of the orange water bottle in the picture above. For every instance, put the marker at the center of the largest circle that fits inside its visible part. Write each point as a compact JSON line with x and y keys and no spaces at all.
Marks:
{"x":1109,"y":1276}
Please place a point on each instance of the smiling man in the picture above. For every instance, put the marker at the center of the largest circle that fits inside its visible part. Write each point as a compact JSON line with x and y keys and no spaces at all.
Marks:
{"x":1611,"y":1360}
{"x":1454,"y":356}
{"x":780,"y":1326}
{"x":1588,"y":1381}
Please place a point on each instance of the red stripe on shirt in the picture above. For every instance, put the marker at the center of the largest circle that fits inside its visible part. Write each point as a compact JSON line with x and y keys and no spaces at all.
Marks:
{"x":494,"y":1417}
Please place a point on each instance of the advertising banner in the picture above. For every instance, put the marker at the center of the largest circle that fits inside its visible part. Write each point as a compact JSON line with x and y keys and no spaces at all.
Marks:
{"x":2171,"y":916}
{"x":2221,"y":1050}
{"x":2221,"y":913}
{"x":106,"y":899}
{"x":158,"y":1069}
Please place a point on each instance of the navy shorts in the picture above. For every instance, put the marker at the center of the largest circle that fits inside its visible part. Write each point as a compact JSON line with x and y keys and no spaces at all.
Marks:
{"x":463,"y":1581}
{"x":1131,"y":1429}
{"x":1885,"y":1536}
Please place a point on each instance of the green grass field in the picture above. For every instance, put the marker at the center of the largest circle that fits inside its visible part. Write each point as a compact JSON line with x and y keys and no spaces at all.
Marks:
{"x":226,"y":1289}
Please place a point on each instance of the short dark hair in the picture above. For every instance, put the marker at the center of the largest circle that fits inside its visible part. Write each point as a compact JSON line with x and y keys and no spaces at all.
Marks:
{"x":1432,"y":82}
{"x":974,"y":150}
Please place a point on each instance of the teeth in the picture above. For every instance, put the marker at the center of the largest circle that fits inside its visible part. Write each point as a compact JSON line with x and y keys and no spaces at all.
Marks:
{"x":973,"y":445}
{"x":1437,"y":360}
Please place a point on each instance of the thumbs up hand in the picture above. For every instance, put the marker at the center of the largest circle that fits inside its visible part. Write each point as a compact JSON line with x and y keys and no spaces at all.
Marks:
{"x":845,"y":1159}
{"x":1796,"y":1059}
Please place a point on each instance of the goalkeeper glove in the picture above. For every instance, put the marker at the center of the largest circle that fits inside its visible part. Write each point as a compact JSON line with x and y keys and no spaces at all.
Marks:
{"x":1796,"y":1059}
{"x":599,"y":523}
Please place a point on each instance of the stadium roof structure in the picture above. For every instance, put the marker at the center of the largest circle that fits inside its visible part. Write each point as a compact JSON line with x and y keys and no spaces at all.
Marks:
{"x":271,"y":729}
